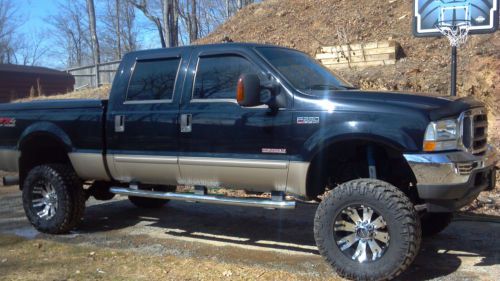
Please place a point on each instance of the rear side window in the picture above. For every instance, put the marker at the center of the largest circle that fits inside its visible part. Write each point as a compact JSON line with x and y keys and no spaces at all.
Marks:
{"x":217,"y":77}
{"x":153,"y":80}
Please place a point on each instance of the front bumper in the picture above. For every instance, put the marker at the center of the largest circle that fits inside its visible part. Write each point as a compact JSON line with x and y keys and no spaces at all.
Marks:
{"x":449,"y":181}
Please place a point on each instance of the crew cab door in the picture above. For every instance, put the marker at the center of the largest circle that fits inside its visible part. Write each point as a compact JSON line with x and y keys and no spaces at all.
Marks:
{"x":143,"y":124}
{"x":221,"y":143}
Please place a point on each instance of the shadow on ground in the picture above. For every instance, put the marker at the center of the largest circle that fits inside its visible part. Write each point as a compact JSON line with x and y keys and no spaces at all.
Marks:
{"x":468,"y":237}
{"x":468,"y":249}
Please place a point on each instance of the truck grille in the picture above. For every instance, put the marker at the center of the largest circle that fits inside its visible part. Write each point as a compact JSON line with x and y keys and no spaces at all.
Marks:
{"x":475,"y":131}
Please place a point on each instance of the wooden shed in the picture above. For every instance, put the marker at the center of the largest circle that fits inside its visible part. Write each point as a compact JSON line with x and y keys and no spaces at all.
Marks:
{"x":19,"y":81}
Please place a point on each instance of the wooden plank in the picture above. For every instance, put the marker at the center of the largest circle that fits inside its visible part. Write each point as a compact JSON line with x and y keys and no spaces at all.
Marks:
{"x":361,"y":64}
{"x":359,"y":46}
{"x":359,"y":53}
{"x":359,"y":59}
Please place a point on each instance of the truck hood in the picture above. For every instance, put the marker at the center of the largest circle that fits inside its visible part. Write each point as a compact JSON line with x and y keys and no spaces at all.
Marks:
{"x":436,"y":107}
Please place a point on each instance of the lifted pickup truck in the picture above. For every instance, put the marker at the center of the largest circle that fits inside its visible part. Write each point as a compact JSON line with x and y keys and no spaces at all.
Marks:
{"x":385,"y":167}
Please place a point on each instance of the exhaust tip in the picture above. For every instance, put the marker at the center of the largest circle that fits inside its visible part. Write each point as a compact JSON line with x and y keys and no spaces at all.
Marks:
{"x":10,"y":180}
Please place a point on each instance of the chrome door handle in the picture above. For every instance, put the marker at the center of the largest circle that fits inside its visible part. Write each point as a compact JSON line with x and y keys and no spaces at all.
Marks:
{"x":186,"y":123}
{"x":120,"y":123}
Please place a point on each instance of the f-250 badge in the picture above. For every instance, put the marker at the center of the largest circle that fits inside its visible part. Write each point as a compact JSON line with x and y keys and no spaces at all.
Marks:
{"x":307,"y":120}
{"x":7,"y":122}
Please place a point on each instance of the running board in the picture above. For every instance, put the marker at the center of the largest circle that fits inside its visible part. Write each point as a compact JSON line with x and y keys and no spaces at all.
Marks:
{"x":222,"y":200}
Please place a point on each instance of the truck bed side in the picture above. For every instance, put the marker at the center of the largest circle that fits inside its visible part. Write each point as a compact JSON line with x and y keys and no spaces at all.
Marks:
{"x":29,"y":130}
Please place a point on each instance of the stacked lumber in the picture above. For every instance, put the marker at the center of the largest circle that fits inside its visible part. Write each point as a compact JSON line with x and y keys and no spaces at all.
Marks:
{"x":359,"y":55}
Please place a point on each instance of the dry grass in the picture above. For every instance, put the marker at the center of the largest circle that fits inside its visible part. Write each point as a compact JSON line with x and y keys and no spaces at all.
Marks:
{"x":99,"y":93}
{"x":22,"y":259}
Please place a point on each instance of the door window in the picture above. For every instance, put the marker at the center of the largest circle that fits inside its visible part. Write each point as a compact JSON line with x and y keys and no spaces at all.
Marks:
{"x":217,"y":77}
{"x":153,"y":80}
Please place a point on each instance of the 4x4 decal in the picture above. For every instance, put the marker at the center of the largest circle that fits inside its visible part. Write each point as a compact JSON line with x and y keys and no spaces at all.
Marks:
{"x":7,"y":122}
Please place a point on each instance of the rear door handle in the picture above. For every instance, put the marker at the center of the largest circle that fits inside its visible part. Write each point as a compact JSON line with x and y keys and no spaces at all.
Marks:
{"x":119,"y":123}
{"x":186,"y":123}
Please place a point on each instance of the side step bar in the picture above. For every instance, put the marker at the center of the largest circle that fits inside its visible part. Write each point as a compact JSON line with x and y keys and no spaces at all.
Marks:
{"x":222,"y":200}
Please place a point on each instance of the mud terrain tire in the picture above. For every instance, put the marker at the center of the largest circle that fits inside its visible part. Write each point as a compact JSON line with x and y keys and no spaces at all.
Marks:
{"x":66,"y":195}
{"x":400,"y":221}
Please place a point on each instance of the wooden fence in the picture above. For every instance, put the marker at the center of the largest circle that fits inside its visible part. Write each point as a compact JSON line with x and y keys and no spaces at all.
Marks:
{"x":359,"y":55}
{"x":92,"y":76}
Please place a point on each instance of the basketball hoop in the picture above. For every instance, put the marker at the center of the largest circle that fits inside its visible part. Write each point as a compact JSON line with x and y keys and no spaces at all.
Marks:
{"x":456,"y":32}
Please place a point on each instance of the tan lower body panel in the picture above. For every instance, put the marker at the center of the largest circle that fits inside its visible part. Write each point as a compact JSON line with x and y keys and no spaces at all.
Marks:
{"x":249,"y":174}
{"x":297,"y":178}
{"x":145,"y":169}
{"x":254,"y":175}
{"x":89,"y":166}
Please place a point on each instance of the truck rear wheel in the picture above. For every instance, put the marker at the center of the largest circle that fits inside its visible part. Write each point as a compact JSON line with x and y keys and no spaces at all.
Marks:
{"x":53,"y":198}
{"x":367,"y":229}
{"x":434,"y":223}
{"x":151,"y":203}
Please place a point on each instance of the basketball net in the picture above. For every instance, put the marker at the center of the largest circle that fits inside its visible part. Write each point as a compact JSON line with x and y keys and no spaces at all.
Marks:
{"x":457,"y":33}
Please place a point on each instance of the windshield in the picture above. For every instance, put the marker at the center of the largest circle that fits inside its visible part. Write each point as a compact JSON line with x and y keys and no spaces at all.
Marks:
{"x":303,"y":72}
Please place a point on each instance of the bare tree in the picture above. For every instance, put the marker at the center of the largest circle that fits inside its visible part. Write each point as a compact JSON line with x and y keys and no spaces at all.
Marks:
{"x":32,"y":49}
{"x":93,"y":32}
{"x":170,"y":14}
{"x":118,"y":29}
{"x":119,"y":34}
{"x":143,"y":7}
{"x":190,"y":16}
{"x":8,"y":28}
{"x":70,"y":33}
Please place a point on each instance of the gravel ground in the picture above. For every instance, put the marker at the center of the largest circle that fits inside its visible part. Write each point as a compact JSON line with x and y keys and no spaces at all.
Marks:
{"x":207,"y":242}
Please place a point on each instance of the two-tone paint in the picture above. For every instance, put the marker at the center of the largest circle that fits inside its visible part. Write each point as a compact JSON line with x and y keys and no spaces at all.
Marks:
{"x":259,"y":149}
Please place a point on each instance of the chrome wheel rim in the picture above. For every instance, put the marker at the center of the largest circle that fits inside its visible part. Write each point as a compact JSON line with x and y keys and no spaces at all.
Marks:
{"x":361,"y":233}
{"x":44,"y":201}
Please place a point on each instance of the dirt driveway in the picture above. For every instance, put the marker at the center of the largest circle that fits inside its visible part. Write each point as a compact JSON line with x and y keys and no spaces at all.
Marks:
{"x":206,"y":242}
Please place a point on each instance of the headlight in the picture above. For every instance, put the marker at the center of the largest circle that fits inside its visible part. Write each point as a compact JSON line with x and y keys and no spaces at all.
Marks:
{"x":442,"y":135}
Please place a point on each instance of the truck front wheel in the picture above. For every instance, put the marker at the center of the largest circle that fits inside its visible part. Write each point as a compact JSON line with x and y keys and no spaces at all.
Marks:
{"x":53,"y":198}
{"x":367,"y":229}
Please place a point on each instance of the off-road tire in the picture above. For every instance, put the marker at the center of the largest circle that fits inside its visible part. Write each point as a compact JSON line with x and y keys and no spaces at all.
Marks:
{"x":402,"y":221}
{"x":434,"y":223}
{"x":151,"y":203}
{"x":70,"y":198}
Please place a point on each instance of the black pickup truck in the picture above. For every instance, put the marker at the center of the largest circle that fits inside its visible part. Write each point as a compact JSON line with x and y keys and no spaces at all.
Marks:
{"x":385,"y":167}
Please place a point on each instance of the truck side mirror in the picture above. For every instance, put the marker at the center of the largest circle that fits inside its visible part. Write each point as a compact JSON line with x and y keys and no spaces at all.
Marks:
{"x":248,"y":90}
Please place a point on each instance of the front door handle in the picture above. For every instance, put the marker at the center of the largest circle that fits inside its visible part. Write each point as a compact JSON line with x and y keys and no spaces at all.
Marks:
{"x":120,"y":123}
{"x":186,"y":123}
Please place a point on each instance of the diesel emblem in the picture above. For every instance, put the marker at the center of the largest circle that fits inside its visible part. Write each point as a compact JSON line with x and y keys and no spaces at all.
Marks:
{"x":307,"y":120}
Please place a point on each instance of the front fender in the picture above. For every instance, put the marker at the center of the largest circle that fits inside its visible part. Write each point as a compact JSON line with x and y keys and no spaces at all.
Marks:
{"x":396,"y":138}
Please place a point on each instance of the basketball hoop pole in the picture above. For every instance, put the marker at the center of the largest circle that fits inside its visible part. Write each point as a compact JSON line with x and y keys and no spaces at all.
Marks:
{"x":457,"y":35}
{"x":453,"y":86}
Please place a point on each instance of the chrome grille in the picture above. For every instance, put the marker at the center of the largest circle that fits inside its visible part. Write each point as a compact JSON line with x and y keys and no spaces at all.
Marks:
{"x":475,"y":131}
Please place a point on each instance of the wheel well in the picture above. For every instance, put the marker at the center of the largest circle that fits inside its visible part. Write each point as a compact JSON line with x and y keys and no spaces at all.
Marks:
{"x":347,"y":160}
{"x":38,"y":150}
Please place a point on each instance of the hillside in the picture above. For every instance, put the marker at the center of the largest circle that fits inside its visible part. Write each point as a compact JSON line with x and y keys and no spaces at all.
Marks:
{"x":308,"y":24}
{"x":424,"y":68}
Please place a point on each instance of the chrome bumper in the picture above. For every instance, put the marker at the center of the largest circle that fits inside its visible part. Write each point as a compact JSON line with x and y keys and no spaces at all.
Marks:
{"x":452,"y":168}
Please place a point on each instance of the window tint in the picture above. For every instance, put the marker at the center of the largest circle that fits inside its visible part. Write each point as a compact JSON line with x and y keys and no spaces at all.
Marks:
{"x":302,"y":71}
{"x":217,"y":77}
{"x":153,"y":80}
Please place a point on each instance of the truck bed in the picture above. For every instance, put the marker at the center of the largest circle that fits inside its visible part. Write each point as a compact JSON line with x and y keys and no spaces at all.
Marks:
{"x":78,"y":123}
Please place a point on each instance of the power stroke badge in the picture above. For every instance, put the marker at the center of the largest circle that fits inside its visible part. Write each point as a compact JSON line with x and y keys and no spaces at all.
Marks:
{"x":307,"y":120}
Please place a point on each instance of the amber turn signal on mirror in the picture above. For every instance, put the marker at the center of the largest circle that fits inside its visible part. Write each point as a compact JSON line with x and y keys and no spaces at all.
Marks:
{"x":240,"y":91}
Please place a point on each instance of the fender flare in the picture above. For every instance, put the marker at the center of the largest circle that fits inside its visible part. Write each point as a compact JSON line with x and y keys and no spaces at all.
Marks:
{"x":353,"y":137}
{"x":45,"y":129}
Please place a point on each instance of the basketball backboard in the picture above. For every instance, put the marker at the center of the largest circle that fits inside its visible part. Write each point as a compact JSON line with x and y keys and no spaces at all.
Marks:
{"x":481,"y":15}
